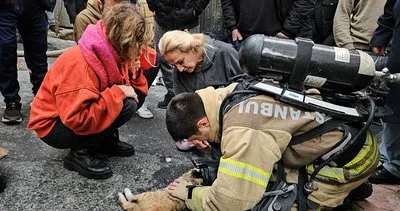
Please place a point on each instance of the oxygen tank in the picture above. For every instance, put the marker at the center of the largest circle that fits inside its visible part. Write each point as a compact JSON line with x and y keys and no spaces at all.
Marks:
{"x":330,"y":68}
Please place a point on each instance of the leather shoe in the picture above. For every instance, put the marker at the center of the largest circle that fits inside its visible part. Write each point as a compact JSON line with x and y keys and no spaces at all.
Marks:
{"x":86,"y":164}
{"x":112,"y":146}
{"x":383,"y":176}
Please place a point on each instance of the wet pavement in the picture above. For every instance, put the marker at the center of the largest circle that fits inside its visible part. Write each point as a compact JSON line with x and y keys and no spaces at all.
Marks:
{"x":36,"y":179}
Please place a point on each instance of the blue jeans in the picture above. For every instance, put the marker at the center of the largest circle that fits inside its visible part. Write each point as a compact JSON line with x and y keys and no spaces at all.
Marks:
{"x":390,"y":148}
{"x":31,"y":22}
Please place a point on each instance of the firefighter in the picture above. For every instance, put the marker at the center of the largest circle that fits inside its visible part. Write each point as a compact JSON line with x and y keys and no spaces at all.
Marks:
{"x":254,"y":138}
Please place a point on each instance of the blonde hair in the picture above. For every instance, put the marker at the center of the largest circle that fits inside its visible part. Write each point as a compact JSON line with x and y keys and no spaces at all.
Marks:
{"x":182,"y":41}
{"x":127,"y":28}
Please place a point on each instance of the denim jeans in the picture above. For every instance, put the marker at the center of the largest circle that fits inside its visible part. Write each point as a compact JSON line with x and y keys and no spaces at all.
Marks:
{"x":390,"y":148}
{"x":31,"y":22}
{"x":61,"y":137}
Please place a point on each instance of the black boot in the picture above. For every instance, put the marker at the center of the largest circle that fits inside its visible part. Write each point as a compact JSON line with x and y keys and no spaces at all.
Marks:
{"x":361,"y":192}
{"x":112,"y":146}
{"x":86,"y":164}
{"x":163,"y":104}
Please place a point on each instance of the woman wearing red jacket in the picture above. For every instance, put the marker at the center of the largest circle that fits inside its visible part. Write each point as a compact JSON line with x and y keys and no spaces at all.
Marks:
{"x":93,"y":89}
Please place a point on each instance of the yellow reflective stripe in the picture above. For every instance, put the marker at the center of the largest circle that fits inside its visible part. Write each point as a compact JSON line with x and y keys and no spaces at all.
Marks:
{"x":368,"y":149}
{"x":196,"y":197}
{"x":328,"y":172}
{"x":371,"y":160}
{"x":244,"y":171}
{"x":365,"y":161}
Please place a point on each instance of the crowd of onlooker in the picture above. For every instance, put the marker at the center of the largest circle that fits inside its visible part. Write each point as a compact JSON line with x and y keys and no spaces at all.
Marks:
{"x":366,"y":25}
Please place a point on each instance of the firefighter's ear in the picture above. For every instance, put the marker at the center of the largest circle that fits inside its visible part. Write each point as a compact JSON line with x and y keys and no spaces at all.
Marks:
{"x":203,"y":122}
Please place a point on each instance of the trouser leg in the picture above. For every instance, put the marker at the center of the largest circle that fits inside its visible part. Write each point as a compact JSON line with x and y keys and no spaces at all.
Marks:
{"x":9,"y":86}
{"x":32,"y":26}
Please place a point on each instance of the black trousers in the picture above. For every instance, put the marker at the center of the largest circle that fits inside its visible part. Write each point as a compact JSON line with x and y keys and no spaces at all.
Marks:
{"x":62,"y":137}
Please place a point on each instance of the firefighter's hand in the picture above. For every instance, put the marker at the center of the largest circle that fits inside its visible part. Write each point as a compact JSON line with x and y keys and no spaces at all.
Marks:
{"x":236,"y":35}
{"x":200,"y":144}
{"x":379,"y":50}
{"x":178,"y":189}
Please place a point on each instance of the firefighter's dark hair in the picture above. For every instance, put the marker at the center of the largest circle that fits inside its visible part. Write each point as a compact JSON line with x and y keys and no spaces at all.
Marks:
{"x":183,"y":113}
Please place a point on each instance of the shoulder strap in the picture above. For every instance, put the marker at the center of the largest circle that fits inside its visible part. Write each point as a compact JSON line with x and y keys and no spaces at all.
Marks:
{"x":317,"y":131}
{"x":239,"y":94}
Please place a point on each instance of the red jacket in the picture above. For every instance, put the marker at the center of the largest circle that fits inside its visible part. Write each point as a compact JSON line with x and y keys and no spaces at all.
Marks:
{"x":70,"y":91}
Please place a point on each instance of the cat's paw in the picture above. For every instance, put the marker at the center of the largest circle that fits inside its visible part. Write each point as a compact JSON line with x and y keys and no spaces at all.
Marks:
{"x":127,"y":200}
{"x":128,"y":195}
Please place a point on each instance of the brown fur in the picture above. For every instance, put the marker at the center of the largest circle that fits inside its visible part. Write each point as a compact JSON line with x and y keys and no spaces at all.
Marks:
{"x":159,"y":200}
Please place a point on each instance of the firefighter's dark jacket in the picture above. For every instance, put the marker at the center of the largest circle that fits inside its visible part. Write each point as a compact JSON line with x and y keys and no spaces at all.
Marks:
{"x":268,"y":17}
{"x":177,"y":14}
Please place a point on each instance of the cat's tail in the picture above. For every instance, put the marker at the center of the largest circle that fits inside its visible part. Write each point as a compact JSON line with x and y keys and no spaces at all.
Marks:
{"x":127,"y":201}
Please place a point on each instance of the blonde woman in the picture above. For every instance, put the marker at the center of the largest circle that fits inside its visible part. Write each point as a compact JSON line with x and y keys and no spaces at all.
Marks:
{"x":199,"y":60}
{"x":92,"y":90}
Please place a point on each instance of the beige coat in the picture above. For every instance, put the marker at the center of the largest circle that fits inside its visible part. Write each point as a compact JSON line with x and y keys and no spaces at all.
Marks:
{"x":355,"y":22}
{"x":90,"y":15}
{"x":256,"y":133}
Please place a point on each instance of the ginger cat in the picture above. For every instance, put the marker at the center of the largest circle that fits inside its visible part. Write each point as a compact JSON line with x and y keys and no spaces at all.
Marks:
{"x":159,"y":200}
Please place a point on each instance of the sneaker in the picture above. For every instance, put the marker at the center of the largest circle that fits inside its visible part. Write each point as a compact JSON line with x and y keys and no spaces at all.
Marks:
{"x":144,"y":112}
{"x":163,"y":104}
{"x":12,"y":114}
{"x":87,"y":165}
{"x":112,"y":146}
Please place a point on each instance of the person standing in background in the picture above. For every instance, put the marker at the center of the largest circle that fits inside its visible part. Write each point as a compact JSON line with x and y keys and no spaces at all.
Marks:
{"x":281,"y":18}
{"x":29,"y":17}
{"x":74,"y":7}
{"x":173,"y":15}
{"x":389,"y":30}
{"x":355,"y":22}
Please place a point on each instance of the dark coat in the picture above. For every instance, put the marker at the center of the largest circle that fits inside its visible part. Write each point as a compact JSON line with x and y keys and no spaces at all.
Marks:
{"x":389,"y":29}
{"x":322,"y":20}
{"x":268,"y":17}
{"x":177,"y":14}
{"x":8,"y":4}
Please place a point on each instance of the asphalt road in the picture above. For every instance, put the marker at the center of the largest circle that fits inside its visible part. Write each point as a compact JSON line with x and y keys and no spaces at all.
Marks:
{"x":37,"y":180}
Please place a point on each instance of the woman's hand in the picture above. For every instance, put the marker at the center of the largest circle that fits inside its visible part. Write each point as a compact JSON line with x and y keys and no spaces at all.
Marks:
{"x":129,"y":92}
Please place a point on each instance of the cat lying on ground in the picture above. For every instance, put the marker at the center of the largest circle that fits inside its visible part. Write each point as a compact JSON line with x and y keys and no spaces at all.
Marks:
{"x":159,"y":200}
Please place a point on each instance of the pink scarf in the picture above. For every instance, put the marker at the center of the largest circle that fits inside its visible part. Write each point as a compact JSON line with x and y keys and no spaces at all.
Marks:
{"x":101,"y":56}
